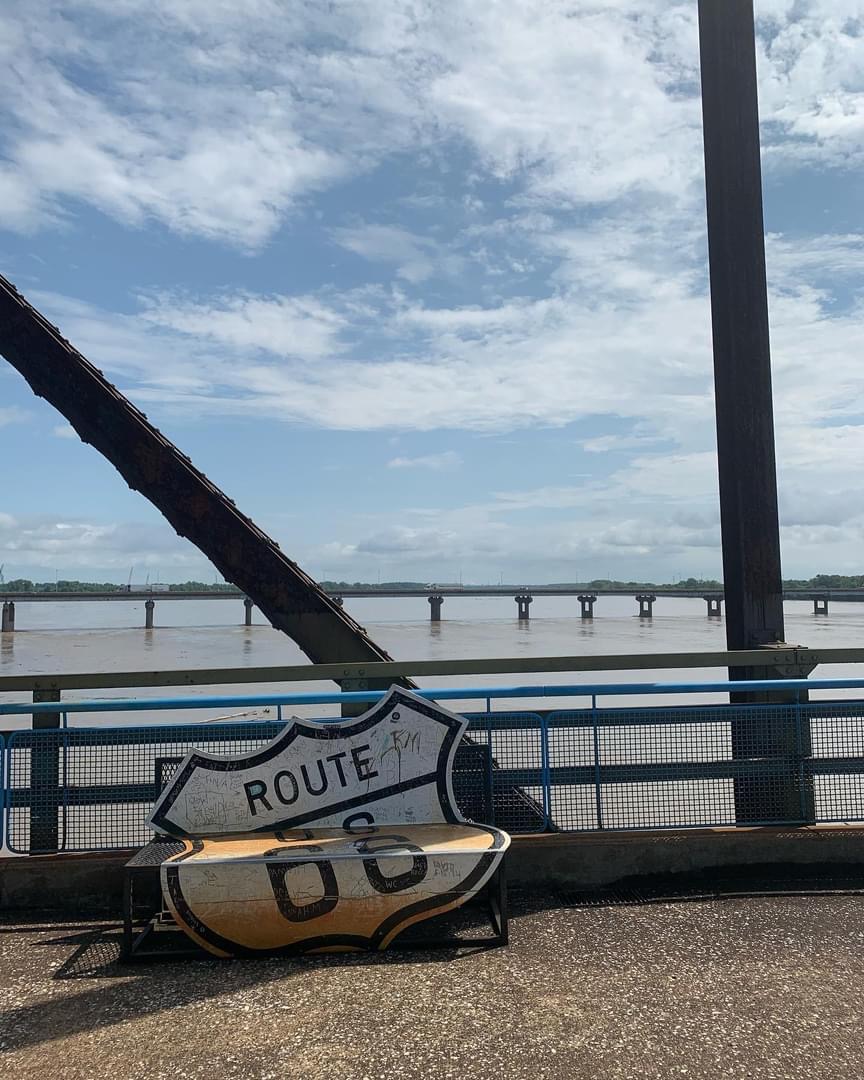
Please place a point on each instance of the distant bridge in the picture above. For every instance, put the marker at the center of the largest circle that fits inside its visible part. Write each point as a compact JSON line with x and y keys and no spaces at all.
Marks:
{"x":523,"y":595}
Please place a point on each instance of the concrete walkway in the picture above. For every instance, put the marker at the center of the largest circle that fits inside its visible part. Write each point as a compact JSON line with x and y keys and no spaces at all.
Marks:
{"x":770,"y":988}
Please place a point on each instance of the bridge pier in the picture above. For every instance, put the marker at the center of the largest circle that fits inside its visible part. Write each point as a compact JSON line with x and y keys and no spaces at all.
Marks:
{"x":646,"y":605}
{"x":148,"y":614}
{"x":338,"y":600}
{"x":714,"y":604}
{"x":435,"y":605}
{"x":523,"y":602}
{"x":7,"y":625}
{"x":247,"y":615}
{"x":820,"y":605}
{"x":587,"y":602}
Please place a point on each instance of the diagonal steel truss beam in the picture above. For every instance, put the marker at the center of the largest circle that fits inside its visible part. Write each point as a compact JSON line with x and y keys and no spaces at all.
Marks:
{"x":194,"y":506}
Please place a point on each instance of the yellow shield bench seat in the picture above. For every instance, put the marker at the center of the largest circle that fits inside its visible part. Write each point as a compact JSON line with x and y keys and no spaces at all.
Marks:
{"x":325,"y":889}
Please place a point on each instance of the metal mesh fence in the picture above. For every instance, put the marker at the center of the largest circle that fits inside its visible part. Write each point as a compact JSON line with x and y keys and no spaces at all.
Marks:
{"x":518,"y":768}
{"x":584,"y":769}
{"x":837,"y":744}
{"x":684,"y":766}
{"x":82,"y":789}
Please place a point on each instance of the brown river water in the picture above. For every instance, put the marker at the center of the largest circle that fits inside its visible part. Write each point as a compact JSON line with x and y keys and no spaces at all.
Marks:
{"x":105,"y":637}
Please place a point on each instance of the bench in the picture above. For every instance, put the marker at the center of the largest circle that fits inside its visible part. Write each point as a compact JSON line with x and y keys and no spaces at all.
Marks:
{"x":334,"y":836}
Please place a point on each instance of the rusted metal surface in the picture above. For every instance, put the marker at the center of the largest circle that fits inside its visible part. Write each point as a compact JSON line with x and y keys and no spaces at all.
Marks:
{"x":739,"y":315}
{"x":194,"y":506}
{"x":742,"y":385}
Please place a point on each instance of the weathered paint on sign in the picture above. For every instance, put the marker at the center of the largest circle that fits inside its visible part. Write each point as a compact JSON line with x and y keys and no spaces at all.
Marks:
{"x":390,"y":766}
{"x":325,"y":890}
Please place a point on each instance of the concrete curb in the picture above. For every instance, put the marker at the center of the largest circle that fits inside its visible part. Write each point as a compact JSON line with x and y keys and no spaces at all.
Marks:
{"x":92,"y":883}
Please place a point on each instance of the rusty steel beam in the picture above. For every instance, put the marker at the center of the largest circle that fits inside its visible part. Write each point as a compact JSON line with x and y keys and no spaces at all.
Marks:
{"x":193,"y":505}
{"x":749,"y":520}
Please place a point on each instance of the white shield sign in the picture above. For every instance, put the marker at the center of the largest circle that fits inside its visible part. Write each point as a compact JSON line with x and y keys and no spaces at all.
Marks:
{"x":392,"y":765}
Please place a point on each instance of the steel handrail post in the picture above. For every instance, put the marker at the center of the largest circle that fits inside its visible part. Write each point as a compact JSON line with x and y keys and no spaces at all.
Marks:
{"x":598,"y":794}
{"x":490,"y":769}
{"x":64,"y":784}
{"x":804,"y":796}
{"x":545,"y":771}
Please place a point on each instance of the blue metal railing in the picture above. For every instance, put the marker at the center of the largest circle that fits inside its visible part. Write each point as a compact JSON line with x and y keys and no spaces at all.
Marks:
{"x":586,"y":768}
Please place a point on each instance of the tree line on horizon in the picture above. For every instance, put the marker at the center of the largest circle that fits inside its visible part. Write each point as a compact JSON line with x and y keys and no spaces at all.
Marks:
{"x":62,"y":585}
{"x":24,"y":585}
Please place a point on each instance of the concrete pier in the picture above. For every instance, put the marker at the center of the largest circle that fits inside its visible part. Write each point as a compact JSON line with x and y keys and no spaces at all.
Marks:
{"x":7,"y":625}
{"x":149,"y":605}
{"x":714,"y":605}
{"x":247,"y":615}
{"x":820,"y":605}
{"x":523,"y":602}
{"x":436,"y":602}
{"x":587,"y":602}
{"x":646,"y":605}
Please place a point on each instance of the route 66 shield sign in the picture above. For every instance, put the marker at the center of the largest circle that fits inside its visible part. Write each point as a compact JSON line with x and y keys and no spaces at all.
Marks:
{"x":392,"y":765}
{"x":332,"y":836}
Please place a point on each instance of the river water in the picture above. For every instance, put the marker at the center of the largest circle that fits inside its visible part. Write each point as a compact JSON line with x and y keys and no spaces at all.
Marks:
{"x":105,"y":637}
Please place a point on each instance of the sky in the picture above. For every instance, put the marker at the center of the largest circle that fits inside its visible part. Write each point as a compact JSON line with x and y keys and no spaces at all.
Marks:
{"x":422,"y":284}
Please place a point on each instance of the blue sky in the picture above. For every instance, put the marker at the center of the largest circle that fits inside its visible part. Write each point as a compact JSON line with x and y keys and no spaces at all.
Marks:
{"x":422,"y":285}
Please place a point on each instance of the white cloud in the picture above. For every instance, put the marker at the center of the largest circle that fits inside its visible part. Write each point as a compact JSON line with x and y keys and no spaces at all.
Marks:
{"x":13,"y":415}
{"x":299,"y":326}
{"x":812,"y":81}
{"x":448,"y":459}
{"x":416,"y":258}
{"x":220,"y":122}
{"x":75,"y":545}
{"x":638,"y":350}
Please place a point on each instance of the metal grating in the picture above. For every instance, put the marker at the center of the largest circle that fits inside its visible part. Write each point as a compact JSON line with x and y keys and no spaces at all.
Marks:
{"x":518,"y":768}
{"x":82,"y":789}
{"x":88,"y":789}
{"x":679,"y":767}
{"x":585,"y":769}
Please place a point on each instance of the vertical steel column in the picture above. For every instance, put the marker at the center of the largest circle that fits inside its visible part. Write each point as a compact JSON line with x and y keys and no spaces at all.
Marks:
{"x":742,"y":382}
{"x":45,"y":778}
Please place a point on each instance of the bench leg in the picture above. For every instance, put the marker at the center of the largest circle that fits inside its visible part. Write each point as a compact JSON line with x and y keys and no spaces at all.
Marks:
{"x":126,"y":949}
{"x":498,"y":904}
